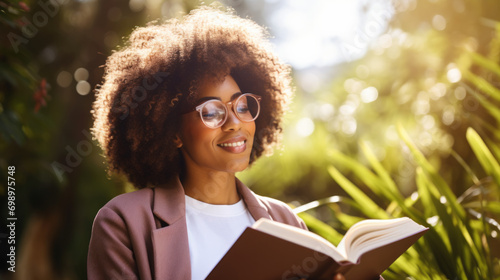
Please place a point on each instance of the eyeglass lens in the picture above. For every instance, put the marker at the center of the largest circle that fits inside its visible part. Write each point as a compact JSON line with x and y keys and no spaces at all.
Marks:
{"x":245,"y":107}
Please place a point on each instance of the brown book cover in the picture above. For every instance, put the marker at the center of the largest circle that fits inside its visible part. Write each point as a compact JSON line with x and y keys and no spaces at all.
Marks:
{"x":258,"y":255}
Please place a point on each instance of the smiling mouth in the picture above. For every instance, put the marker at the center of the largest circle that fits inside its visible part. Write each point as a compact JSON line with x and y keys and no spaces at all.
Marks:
{"x":233,"y":144}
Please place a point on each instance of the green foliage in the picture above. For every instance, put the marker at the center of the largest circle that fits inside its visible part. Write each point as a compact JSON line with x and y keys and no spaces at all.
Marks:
{"x":486,"y":158}
{"x":457,"y":246}
{"x":426,"y":148}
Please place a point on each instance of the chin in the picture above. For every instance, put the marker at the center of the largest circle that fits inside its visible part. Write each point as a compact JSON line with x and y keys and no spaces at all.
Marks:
{"x":234,"y":166}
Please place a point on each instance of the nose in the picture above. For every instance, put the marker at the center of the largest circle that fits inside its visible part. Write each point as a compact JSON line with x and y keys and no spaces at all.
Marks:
{"x":233,"y":123}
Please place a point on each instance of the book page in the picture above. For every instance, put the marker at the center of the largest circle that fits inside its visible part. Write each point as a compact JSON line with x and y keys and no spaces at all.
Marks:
{"x":301,"y":237}
{"x":370,"y":234}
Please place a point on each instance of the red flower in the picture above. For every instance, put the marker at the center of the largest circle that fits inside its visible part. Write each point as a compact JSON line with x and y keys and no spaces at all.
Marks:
{"x":40,"y":95}
{"x":24,"y":6}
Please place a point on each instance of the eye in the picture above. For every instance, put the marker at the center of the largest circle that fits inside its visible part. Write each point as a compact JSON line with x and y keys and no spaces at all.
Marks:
{"x":208,"y":116}
{"x":213,"y":113}
{"x":242,"y":106}
{"x":242,"y":109}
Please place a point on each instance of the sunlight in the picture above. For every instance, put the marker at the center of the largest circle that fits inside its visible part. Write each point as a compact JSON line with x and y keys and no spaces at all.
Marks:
{"x":305,"y":127}
{"x":369,"y":94}
{"x":324,"y":32}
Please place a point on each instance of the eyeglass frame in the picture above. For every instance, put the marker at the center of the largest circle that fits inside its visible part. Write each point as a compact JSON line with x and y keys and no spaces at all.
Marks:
{"x":229,"y":103}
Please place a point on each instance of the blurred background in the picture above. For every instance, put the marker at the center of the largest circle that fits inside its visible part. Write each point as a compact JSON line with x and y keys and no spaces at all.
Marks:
{"x":396,"y":113}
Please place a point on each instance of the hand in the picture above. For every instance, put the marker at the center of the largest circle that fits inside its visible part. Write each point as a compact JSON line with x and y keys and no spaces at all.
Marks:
{"x":339,"y":276}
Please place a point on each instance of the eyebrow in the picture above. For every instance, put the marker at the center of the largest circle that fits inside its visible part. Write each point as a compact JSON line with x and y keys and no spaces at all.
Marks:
{"x":206,"y":98}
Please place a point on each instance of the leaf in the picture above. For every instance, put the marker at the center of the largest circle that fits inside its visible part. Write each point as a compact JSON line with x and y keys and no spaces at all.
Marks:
{"x":370,"y":208}
{"x":488,"y":105}
{"x":10,"y":127}
{"x":366,"y":175}
{"x":389,"y":185}
{"x":432,"y":173}
{"x":465,"y":166}
{"x":482,"y":85}
{"x":483,"y":154}
{"x":317,"y":203}
{"x":488,"y":206}
{"x":485,"y":63}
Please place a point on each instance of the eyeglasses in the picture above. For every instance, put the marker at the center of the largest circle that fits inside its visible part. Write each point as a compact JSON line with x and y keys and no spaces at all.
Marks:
{"x":214,"y":113}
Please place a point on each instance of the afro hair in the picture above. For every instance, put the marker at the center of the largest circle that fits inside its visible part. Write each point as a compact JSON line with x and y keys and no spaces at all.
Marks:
{"x":148,"y":82}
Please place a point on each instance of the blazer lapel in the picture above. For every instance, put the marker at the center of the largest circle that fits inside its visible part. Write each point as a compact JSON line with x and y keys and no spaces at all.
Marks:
{"x":256,"y":208}
{"x":170,"y":243}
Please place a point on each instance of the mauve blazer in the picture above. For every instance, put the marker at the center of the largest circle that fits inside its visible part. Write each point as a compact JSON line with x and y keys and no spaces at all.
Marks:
{"x":143,"y":234}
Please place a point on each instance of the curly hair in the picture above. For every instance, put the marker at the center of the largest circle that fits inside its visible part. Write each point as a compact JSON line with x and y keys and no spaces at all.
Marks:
{"x":148,"y":82}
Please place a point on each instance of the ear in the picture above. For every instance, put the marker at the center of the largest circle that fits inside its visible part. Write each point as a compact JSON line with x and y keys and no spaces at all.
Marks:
{"x":178,"y":141}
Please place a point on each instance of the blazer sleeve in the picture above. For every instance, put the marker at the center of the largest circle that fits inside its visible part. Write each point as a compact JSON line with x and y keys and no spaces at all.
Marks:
{"x":110,"y":254}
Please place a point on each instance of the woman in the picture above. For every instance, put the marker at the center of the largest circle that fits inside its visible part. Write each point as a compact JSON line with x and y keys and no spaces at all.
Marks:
{"x":183,"y":107}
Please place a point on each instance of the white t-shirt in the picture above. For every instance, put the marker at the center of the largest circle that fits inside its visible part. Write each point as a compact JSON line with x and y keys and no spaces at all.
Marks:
{"x":212,"y":230}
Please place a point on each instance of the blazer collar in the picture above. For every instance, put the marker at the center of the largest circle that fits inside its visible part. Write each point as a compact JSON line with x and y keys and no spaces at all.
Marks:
{"x":169,"y":203}
{"x":255,"y":206}
{"x":170,"y":243}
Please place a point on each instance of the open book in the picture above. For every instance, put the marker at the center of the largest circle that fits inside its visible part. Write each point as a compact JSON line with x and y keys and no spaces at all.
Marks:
{"x":273,"y":250}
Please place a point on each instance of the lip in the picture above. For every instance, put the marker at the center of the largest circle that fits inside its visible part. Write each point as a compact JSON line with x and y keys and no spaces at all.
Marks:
{"x":234,"y":145}
{"x":233,"y":140}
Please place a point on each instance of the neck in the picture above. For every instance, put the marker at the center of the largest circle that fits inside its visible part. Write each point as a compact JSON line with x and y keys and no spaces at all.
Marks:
{"x":211,"y":187}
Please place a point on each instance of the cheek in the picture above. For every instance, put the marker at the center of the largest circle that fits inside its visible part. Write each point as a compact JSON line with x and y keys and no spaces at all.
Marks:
{"x":195,"y":132}
{"x":250,"y":127}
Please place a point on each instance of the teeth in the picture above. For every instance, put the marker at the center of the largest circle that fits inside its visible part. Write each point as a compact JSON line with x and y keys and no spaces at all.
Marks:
{"x":234,"y":144}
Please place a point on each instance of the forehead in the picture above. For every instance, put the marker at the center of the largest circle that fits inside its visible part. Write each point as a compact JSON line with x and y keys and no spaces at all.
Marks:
{"x":223,"y":90}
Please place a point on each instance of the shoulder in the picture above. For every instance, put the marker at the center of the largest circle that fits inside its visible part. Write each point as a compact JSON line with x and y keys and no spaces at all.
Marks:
{"x":118,"y":241}
{"x":280,"y":211}
{"x":127,"y":207}
{"x":131,"y":202}
{"x":126,"y":200}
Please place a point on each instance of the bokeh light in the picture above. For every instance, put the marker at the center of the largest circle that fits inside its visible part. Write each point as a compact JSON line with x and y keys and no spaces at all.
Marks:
{"x":439,"y":22}
{"x":369,"y":94}
{"x":64,"y":79}
{"x":454,"y":75}
{"x":448,"y":116}
{"x":437,"y":91}
{"x":83,"y":88}
{"x":348,"y":108}
{"x":460,"y":93}
{"x":349,"y":126}
{"x":304,"y":127}
{"x":81,"y":74}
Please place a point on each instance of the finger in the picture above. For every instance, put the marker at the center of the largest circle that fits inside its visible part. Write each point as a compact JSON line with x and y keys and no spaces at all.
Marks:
{"x":339,"y":276}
